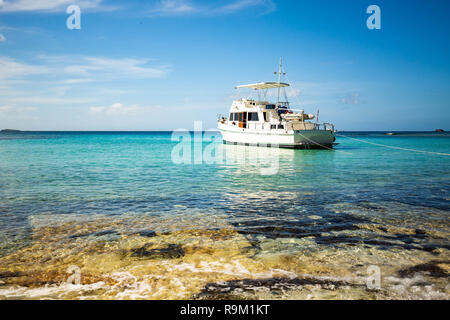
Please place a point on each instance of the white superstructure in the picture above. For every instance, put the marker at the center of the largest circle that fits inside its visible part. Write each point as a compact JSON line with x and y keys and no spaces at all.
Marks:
{"x":260,"y":122}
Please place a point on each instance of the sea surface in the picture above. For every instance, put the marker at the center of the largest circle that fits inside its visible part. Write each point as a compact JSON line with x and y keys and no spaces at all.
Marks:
{"x":141,"y":215}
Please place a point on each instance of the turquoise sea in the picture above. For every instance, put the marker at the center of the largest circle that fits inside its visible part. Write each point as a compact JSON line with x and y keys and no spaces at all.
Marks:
{"x":115,"y":214}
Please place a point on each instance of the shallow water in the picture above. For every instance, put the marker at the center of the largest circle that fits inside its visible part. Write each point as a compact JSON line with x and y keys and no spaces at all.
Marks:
{"x":254,"y":223}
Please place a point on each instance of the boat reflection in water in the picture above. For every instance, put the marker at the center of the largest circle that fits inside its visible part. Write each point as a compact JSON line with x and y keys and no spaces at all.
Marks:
{"x":268,"y":160}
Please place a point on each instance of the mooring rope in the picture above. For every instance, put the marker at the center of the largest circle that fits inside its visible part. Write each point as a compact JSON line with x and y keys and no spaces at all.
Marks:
{"x":393,"y":147}
{"x":316,"y":143}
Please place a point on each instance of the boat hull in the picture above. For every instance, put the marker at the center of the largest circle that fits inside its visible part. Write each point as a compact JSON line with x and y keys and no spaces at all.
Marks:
{"x":299,"y":139}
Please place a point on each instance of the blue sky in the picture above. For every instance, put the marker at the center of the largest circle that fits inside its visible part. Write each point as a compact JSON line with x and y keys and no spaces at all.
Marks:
{"x":160,"y":65}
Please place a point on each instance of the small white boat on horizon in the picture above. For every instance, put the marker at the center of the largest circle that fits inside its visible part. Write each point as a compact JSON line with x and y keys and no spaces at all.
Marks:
{"x":262,"y":123}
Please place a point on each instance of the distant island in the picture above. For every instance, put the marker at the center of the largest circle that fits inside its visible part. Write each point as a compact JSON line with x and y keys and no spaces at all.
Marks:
{"x":10,"y":130}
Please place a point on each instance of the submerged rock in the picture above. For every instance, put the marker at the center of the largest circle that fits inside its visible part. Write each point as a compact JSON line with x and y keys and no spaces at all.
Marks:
{"x":10,"y":274}
{"x":95,"y":234}
{"x":433,"y":268}
{"x":147,"y":233}
{"x":172,"y":251}
{"x":237,"y":289}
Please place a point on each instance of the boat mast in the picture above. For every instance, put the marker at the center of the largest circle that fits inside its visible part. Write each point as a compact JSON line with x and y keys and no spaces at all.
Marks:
{"x":279,"y":81}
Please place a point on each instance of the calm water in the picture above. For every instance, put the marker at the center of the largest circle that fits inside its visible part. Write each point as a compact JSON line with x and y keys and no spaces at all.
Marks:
{"x":116,"y":208}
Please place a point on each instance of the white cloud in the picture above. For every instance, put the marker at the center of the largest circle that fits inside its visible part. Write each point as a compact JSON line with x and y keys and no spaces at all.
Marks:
{"x":9,"y":68}
{"x":82,"y":69}
{"x":14,"y":117}
{"x":119,"y":109}
{"x":31,"y":98}
{"x":135,"y":68}
{"x":61,"y":81}
{"x":244,"y":4}
{"x":46,"y":5}
{"x":88,"y":68}
{"x":186,"y":7}
{"x":2,"y":38}
{"x":6,"y":109}
{"x":173,"y":7}
{"x":75,"y":81}
{"x":10,"y":111}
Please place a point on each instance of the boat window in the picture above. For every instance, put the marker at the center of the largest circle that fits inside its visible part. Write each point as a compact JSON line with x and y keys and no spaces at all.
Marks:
{"x":270,"y":106}
{"x":273,"y":126}
{"x":231,"y":116}
{"x":253,"y":116}
{"x":280,"y":126}
{"x":265,"y":116}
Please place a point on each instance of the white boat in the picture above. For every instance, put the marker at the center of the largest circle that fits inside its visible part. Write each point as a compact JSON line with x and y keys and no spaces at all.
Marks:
{"x":263,"y":123}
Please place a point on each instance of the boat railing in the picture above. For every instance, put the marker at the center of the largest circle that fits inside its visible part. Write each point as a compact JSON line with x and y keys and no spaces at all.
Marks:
{"x":222,"y":118}
{"x":324,"y":126}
